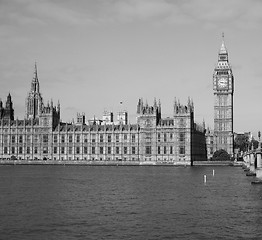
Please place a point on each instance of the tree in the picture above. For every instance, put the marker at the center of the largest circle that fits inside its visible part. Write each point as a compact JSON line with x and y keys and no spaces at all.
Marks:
{"x":241,"y":142}
{"x":254,"y":143}
{"x":221,"y":155}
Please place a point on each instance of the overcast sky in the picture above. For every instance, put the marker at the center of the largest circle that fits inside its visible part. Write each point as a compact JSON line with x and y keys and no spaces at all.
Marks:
{"x":93,"y":54}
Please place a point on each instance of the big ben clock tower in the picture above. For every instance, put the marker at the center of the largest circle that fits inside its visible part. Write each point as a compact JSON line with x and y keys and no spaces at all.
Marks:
{"x":223,"y":86}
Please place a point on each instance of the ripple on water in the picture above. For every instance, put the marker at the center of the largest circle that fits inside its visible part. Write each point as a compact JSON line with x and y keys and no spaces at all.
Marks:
{"x":42,"y":202}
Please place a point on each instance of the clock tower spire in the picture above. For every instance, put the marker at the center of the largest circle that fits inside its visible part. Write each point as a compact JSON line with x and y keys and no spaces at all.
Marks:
{"x":223,"y":86}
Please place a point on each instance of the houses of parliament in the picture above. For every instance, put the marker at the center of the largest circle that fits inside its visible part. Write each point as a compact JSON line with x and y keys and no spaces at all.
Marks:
{"x":152,"y":139}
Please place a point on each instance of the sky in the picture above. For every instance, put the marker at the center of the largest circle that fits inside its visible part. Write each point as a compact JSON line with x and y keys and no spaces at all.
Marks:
{"x":93,"y":54}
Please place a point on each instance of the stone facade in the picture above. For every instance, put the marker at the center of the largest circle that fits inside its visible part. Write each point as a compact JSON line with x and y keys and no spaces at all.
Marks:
{"x":153,"y":139}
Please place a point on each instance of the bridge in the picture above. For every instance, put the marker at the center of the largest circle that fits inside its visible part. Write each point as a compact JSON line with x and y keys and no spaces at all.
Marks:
{"x":253,"y":162}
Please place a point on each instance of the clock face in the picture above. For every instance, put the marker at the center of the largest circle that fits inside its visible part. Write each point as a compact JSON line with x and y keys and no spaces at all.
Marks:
{"x":222,"y":83}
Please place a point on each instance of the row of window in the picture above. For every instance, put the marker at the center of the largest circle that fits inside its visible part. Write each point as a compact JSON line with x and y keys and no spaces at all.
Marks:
{"x":102,"y":138}
{"x":94,"y":150}
{"x":165,"y":150}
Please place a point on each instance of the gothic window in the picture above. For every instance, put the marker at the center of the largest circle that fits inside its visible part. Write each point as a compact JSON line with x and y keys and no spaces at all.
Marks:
{"x":148,"y":149}
{"x":28,"y":139}
{"x":93,"y":138}
{"x":133,"y":150}
{"x":45,"y":138}
{"x":125,"y":150}
{"x":109,"y":150}
{"x":45,"y":150}
{"x":101,"y":150}
{"x":77,"y":138}
{"x":181,"y":150}
{"x":117,"y":150}
{"x":158,"y":150}
{"x":181,"y":123}
{"x":70,"y":150}
{"x":181,"y":137}
{"x":93,"y":150}
{"x":101,"y":138}
{"x":77,"y":150}
{"x":85,"y":150}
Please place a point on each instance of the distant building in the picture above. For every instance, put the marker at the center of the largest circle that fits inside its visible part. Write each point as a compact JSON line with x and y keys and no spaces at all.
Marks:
{"x":153,"y":139}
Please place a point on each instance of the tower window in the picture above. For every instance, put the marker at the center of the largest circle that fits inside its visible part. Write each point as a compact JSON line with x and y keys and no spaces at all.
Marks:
{"x":77,"y":150}
{"x":125,"y":150}
{"x":117,"y":150}
{"x":158,"y":150}
{"x":164,"y":149}
{"x":181,"y":150}
{"x":85,"y":150}
{"x":133,"y":150}
{"x":148,"y":149}
{"x":93,"y":150}
{"x":133,"y":138}
{"x":101,"y":150}
{"x":101,"y":138}
{"x":45,"y":138}
{"x":109,"y":150}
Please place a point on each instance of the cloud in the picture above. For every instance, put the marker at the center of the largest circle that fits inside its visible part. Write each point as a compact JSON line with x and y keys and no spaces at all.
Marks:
{"x":241,"y":13}
{"x":41,"y":13}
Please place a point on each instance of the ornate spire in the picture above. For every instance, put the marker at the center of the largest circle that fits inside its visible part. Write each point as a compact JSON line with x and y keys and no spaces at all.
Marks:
{"x":223,"y":49}
{"x":34,"y":101}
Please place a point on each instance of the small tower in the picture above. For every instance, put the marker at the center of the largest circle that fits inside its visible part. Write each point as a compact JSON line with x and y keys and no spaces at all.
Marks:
{"x":122,"y":117}
{"x":7,"y":113}
{"x":81,"y":119}
{"x":108,"y":117}
{"x":148,"y":116}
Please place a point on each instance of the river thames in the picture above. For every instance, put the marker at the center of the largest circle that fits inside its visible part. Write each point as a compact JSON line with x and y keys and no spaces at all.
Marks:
{"x":138,"y":202}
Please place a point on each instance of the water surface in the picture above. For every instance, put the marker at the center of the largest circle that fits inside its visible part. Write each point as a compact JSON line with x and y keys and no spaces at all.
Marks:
{"x":140,"y":202}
